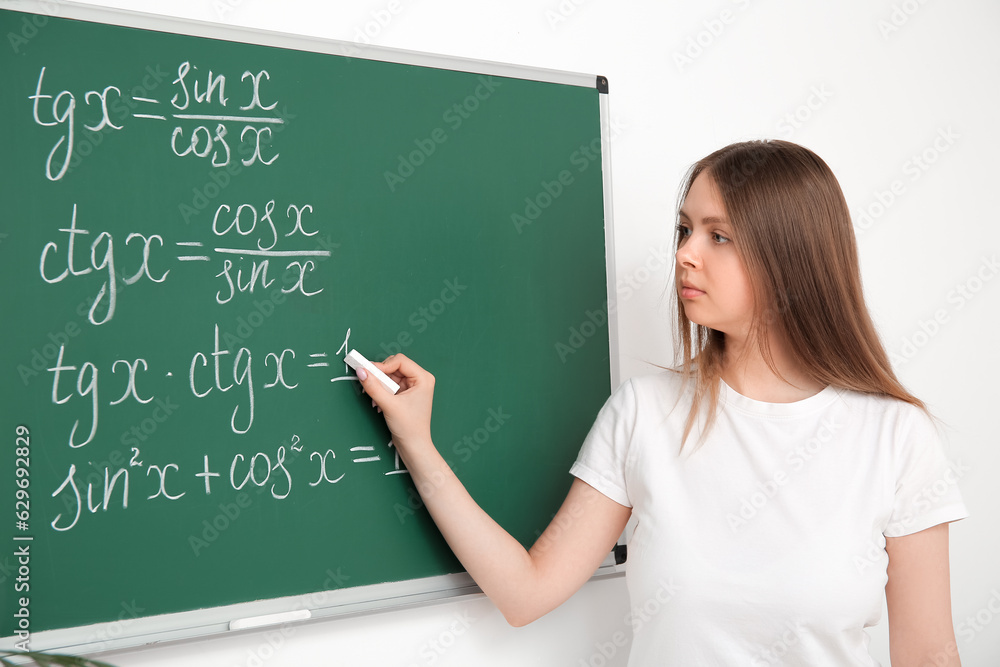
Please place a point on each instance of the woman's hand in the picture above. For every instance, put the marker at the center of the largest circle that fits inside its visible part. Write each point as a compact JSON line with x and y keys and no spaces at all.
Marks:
{"x":408,"y":412}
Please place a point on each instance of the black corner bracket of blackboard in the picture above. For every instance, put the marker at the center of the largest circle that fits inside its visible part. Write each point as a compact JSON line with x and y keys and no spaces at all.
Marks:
{"x":621,"y":553}
{"x":602,"y":84}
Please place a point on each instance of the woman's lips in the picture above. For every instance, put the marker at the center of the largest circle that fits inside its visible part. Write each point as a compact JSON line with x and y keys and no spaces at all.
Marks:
{"x":688,"y":292}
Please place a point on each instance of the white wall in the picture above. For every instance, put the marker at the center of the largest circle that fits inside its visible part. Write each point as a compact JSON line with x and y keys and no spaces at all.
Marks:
{"x":868,"y":84}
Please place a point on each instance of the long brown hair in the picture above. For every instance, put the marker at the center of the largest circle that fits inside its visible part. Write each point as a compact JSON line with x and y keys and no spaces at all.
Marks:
{"x":792,"y":231}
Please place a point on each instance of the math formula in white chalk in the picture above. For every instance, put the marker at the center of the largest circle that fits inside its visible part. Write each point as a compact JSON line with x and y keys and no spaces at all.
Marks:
{"x":251,"y":245}
{"x":258,"y":232}
{"x":169,"y":481}
{"x":202,"y":119}
{"x":82,"y":492}
{"x":213,"y":370}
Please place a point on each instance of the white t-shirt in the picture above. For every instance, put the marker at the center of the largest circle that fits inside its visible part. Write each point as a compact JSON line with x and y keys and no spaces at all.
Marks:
{"x":765,"y":545}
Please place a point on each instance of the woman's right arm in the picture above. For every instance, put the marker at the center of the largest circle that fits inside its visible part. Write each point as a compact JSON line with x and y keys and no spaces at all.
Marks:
{"x":523,"y":584}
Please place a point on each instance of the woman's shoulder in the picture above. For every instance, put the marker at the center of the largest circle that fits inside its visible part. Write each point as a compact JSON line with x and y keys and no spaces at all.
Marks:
{"x":664,"y":379}
{"x":664,"y":387}
{"x":889,"y":415}
{"x":884,"y":404}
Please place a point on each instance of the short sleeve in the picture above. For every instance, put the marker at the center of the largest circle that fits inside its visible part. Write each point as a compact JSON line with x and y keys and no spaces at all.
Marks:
{"x":604,"y":454}
{"x":927,"y":492}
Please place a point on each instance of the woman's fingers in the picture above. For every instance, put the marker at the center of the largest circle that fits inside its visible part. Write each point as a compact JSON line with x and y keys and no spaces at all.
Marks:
{"x":404,"y":371}
{"x":408,"y":411}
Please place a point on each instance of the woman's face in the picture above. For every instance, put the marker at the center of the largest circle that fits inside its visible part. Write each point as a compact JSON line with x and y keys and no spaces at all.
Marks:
{"x":712,"y":282}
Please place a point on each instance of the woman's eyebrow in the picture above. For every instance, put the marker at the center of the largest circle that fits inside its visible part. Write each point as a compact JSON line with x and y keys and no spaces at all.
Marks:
{"x":710,"y":220}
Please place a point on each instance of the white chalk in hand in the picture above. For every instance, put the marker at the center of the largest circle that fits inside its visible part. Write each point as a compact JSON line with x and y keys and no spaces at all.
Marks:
{"x":356,"y":361}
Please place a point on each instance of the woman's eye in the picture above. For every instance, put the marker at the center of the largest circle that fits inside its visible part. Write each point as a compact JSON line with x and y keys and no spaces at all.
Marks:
{"x":683,"y":231}
{"x":719,"y":238}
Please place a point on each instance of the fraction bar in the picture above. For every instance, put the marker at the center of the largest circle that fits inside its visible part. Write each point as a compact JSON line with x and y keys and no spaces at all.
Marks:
{"x":195,"y":116}
{"x":276,"y":253}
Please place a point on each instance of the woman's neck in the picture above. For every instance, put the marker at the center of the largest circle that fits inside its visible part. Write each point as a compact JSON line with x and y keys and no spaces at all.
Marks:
{"x":745,"y":370}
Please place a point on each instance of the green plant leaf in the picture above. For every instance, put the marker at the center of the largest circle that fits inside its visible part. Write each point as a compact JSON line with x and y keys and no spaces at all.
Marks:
{"x":47,"y":660}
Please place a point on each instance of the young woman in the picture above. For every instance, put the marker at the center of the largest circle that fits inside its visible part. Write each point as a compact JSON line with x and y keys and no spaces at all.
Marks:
{"x":781,"y":477}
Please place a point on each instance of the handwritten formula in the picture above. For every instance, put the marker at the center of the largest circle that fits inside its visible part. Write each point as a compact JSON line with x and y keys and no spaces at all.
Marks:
{"x":206,"y":134}
{"x":64,"y":259}
{"x":208,"y":120}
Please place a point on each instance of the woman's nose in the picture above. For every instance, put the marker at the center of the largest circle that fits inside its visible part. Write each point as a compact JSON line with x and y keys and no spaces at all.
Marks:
{"x":687,"y":254}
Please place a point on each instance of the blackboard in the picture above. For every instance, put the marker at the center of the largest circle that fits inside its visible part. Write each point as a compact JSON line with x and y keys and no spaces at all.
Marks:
{"x":197,"y":229}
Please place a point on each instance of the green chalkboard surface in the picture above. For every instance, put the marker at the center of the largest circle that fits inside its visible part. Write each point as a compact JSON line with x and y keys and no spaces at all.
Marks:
{"x":194,"y":233}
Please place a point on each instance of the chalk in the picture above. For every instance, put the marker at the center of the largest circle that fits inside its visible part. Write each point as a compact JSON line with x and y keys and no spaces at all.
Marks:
{"x":356,"y":361}
{"x":270,"y":619}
